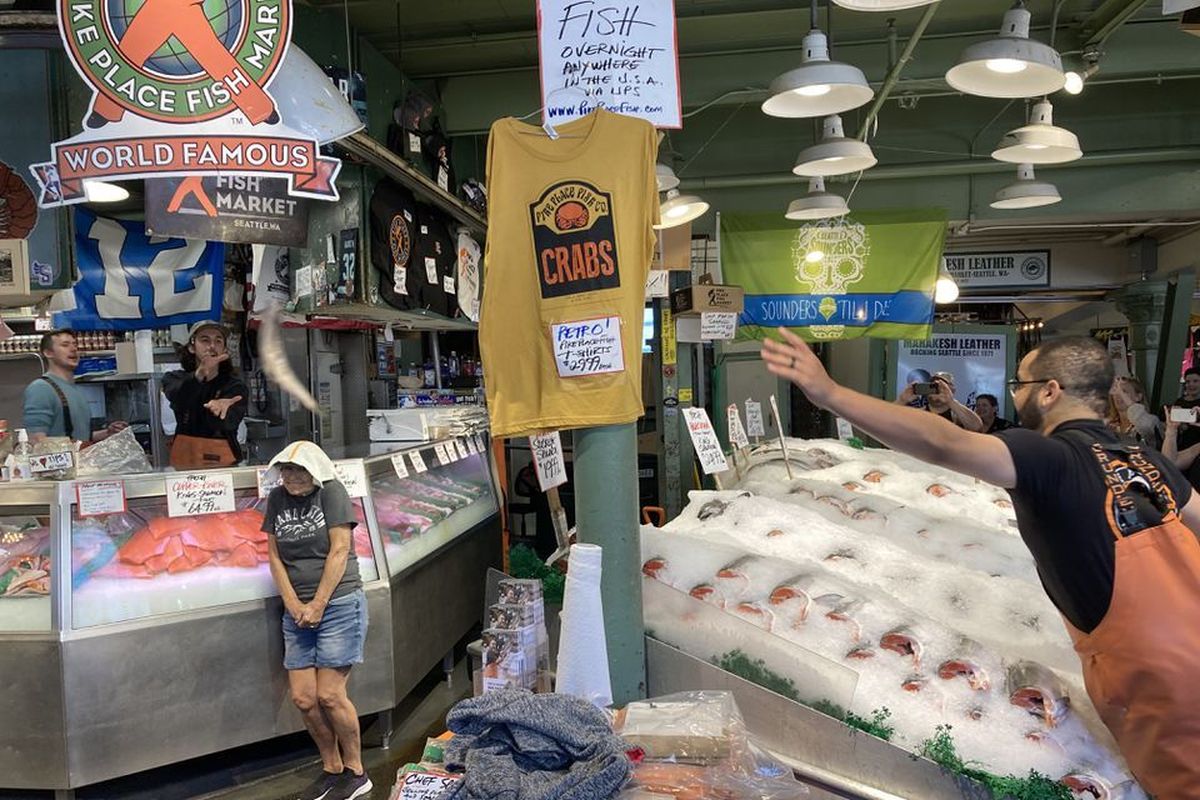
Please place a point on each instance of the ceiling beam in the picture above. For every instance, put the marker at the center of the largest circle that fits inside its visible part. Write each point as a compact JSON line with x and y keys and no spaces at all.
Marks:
{"x":893,"y":75}
{"x":1104,"y":21}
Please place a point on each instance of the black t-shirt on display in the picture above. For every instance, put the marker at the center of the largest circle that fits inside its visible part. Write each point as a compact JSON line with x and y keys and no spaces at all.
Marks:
{"x":1060,"y":502}
{"x":436,"y":262}
{"x":393,"y":245}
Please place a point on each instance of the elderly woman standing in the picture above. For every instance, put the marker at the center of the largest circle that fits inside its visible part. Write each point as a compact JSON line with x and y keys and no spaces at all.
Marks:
{"x":309,"y":521}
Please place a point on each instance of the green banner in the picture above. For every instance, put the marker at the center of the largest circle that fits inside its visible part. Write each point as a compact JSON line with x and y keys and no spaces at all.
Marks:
{"x":871,"y":273}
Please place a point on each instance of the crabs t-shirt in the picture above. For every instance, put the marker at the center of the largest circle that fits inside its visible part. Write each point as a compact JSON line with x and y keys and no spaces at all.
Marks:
{"x":301,"y":526}
{"x":570,"y":240}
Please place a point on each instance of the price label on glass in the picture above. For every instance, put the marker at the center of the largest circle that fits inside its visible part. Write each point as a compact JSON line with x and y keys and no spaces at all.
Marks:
{"x":399,"y":465}
{"x":418,"y":461}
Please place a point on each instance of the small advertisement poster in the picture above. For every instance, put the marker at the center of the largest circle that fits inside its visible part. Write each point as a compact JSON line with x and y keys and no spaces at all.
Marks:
{"x":978,"y":362}
{"x":621,"y":56}
{"x":1016,"y":269}
{"x":227,"y":208}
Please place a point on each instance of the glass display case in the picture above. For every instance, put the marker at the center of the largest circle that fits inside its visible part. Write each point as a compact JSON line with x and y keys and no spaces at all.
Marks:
{"x":26,"y":565}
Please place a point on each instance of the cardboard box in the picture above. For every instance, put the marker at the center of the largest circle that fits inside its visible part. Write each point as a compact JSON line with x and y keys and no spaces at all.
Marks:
{"x":707,"y":296}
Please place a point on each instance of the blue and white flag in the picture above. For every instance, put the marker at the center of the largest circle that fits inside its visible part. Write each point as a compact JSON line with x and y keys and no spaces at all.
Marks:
{"x":131,"y":281}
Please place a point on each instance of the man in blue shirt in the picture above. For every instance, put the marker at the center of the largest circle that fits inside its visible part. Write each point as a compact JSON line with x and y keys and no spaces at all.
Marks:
{"x":48,"y":399}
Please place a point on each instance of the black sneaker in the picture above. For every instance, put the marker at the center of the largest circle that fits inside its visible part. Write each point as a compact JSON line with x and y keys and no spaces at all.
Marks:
{"x":349,"y":786}
{"x":319,"y":788}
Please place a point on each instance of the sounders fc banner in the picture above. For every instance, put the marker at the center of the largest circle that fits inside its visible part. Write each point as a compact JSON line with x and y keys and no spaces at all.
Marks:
{"x":868,"y":274}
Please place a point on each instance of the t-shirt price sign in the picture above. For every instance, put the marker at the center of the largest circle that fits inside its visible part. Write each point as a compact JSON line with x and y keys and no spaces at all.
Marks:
{"x":353,"y":475}
{"x":548,"y":460}
{"x":590,"y":347}
{"x":704,"y":440}
{"x":754,"y":418}
{"x":620,"y":55}
{"x":199,"y":493}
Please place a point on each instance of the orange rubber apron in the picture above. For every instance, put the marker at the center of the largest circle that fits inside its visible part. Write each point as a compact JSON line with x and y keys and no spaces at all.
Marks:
{"x":1141,"y":665}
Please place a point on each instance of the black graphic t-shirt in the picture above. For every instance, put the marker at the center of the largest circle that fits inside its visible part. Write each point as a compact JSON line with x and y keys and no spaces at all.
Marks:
{"x":1066,"y":515}
{"x":393,"y":226}
{"x":301,"y":526}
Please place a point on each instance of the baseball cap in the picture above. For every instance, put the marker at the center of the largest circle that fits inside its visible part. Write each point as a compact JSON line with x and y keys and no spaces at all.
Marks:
{"x":208,"y":323}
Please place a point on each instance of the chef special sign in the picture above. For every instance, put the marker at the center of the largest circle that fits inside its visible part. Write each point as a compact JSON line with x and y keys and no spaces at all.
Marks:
{"x":180,"y":87}
{"x":995,"y":270}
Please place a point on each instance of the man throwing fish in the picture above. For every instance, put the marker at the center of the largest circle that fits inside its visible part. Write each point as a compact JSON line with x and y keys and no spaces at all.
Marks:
{"x":1112,"y":528}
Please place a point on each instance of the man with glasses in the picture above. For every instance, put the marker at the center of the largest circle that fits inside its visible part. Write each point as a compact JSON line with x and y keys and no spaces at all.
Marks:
{"x":1112,"y":528}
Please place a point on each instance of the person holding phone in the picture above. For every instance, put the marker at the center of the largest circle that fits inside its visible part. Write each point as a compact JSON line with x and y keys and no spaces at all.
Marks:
{"x":1128,"y":414}
{"x":938,"y":397}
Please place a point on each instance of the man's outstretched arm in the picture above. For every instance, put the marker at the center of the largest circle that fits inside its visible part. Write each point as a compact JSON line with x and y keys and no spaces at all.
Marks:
{"x":924,"y":436}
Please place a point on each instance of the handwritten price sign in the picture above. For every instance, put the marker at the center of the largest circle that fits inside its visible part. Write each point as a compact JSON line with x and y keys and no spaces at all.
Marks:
{"x":737,"y":434}
{"x":590,"y":347}
{"x":199,"y":493}
{"x":425,"y":785}
{"x":548,"y":459}
{"x":704,"y":440}
{"x":754,"y":418}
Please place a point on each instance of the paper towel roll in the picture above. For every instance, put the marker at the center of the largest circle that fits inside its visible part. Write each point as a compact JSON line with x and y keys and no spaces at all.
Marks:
{"x":582,"y":649}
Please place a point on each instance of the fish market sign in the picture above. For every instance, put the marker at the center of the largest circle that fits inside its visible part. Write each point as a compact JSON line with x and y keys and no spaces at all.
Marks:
{"x":227,"y":208}
{"x":1016,"y":269}
{"x":179,"y":87}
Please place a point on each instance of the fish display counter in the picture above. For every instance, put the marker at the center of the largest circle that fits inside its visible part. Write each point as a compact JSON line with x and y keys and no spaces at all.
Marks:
{"x":161,"y":640}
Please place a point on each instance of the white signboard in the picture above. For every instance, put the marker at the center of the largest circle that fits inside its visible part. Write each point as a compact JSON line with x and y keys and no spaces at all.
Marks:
{"x":51,"y":462}
{"x":479,"y":442}
{"x":589,"y":347}
{"x":425,"y":785}
{"x":96,"y":498}
{"x":1004,"y":269}
{"x":844,"y":430}
{"x":754,"y":418}
{"x":737,"y":434}
{"x":353,"y":475}
{"x":704,"y":440}
{"x":718,"y":325}
{"x":399,"y":465}
{"x":190,"y":495}
{"x":418,"y":461}
{"x":461,"y":447}
{"x":620,"y":55}
{"x":658,"y":283}
{"x":548,"y":460}
{"x":978,"y":362}
{"x":443,"y":457}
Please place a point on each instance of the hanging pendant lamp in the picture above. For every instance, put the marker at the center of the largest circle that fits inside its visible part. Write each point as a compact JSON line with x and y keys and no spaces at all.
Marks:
{"x":1027,"y":192}
{"x":882,"y":5}
{"x":1039,"y":142}
{"x":680,"y":209}
{"x":665,"y":177}
{"x":1011,"y":65}
{"x":818,"y":86}
{"x":817,"y":203}
{"x":834,"y":154}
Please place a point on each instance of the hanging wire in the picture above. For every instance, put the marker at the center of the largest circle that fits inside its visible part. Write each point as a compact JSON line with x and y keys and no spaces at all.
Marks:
{"x":709,"y":141}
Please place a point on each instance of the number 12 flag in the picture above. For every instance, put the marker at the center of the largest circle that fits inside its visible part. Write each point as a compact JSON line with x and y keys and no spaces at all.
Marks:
{"x":131,"y":281}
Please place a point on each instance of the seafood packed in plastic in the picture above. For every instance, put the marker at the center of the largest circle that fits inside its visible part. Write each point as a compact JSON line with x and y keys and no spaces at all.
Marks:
{"x":871,"y":580}
{"x":24,"y":557}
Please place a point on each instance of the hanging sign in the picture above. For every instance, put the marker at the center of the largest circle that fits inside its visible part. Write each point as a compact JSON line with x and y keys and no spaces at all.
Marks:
{"x":548,"y":460}
{"x":620,"y":55}
{"x":227,"y":208}
{"x":658,"y":284}
{"x":590,"y":347}
{"x":704,"y":441}
{"x":352,"y":474}
{"x":978,"y":362}
{"x":737,"y":434}
{"x":868,"y":274}
{"x":754,"y":418}
{"x":1009,"y":269}
{"x":199,"y":493}
{"x":175,"y":93}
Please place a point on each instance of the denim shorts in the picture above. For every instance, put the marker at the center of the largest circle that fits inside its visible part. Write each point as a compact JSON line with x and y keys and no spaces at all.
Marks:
{"x":337,"y":641}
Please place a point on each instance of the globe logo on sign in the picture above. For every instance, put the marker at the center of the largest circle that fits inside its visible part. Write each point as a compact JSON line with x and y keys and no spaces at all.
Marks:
{"x":173,"y":60}
{"x":1033,"y":268}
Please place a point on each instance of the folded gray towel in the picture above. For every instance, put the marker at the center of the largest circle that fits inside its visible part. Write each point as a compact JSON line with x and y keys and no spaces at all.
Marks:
{"x":516,"y":745}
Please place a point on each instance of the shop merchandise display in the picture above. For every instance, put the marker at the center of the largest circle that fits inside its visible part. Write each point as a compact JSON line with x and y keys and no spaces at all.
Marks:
{"x":516,"y":648}
{"x":887,"y":583}
{"x":436,"y":262}
{"x":392,"y":223}
{"x":24,"y":557}
{"x":570,"y":240}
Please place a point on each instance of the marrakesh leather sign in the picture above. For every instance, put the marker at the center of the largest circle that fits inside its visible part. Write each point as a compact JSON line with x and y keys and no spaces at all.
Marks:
{"x":180,"y":88}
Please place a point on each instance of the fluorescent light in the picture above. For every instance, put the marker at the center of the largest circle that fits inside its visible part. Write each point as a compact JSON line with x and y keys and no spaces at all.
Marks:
{"x":1039,"y":142}
{"x":665,"y":177}
{"x":817,"y":204}
{"x":945,"y":290}
{"x":97,"y":191}
{"x":882,"y":5}
{"x":1026,"y":192}
{"x":680,"y":209}
{"x":834,"y":154}
{"x":1010,"y":65}
{"x":817,"y":87}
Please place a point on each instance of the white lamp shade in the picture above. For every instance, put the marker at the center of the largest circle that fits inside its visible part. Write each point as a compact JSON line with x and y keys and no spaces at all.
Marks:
{"x":834,"y":154}
{"x":1039,"y":142}
{"x":665,"y":177}
{"x":680,"y":209}
{"x":882,"y":5}
{"x":308,"y":101}
{"x":1009,"y":66}
{"x":817,"y":204}
{"x":818,"y":87}
{"x":945,"y":290}
{"x":1026,"y":192}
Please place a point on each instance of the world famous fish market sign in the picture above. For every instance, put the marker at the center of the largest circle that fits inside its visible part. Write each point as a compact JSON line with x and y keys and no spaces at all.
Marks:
{"x":180,"y":87}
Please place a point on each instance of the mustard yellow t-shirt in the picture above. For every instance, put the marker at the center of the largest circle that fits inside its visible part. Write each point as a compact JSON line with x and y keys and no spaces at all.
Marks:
{"x":570,"y":240}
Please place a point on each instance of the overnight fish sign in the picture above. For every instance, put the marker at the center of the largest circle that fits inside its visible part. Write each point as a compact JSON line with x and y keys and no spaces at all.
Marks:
{"x":180,"y":88}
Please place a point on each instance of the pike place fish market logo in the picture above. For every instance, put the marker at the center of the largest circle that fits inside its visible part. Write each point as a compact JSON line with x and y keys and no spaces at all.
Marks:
{"x":575,"y":240}
{"x":400,"y":240}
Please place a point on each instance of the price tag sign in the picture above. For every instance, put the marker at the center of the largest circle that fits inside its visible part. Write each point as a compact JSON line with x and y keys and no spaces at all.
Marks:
{"x":443,"y":457}
{"x":43,"y":324}
{"x":265,"y":486}
{"x":704,"y":440}
{"x":461,"y":446}
{"x":754,"y":418}
{"x":472,"y":449}
{"x":431,"y":270}
{"x":353,"y":475}
{"x":845,"y":432}
{"x":737,"y":434}
{"x":548,"y":460}
{"x":657,"y":283}
{"x":479,"y":442}
{"x":425,"y":785}
{"x":399,"y":465}
{"x":51,"y":462}
{"x":198,"y":493}
{"x":589,"y":347}
{"x":97,"y":498}
{"x":418,"y":461}
{"x":718,"y":325}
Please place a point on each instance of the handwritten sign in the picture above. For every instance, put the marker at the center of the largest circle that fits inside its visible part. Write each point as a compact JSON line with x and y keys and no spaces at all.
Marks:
{"x":418,"y":461}
{"x":265,"y":486}
{"x":51,"y":462}
{"x":718,"y":325}
{"x":737,"y":434}
{"x":620,"y":55}
{"x":199,"y":493}
{"x":97,"y":498}
{"x":352,"y":474}
{"x":548,"y":460}
{"x":479,"y":444}
{"x":704,"y":440}
{"x":657,"y":284}
{"x":590,"y":347}
{"x":461,"y":446}
{"x":754,"y":418}
{"x":425,"y":785}
{"x":443,"y":455}
{"x":399,"y":465}
{"x":844,"y":430}
{"x":472,"y":447}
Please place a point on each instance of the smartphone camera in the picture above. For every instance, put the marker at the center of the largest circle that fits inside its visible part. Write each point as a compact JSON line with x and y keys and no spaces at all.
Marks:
{"x":923,"y":389}
{"x":1183,"y":414}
